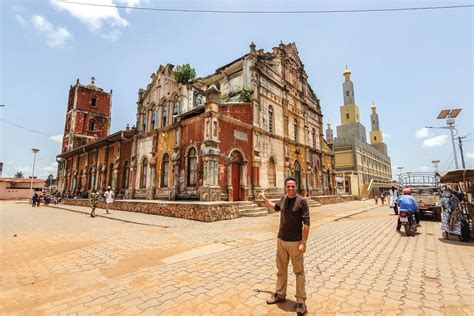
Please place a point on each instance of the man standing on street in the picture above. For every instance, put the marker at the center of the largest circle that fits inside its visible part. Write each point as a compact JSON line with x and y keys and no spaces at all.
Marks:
{"x":291,"y":243}
{"x":109,"y":198}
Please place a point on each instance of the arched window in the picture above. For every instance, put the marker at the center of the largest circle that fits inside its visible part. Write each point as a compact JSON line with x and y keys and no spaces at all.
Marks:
{"x":111,"y":175}
{"x":270,"y":119}
{"x":125,"y":175}
{"x":164,"y":170}
{"x":271,"y":173}
{"x":295,"y":130}
{"x":164,"y":116}
{"x":314,"y":138}
{"x":153,"y":119}
{"x":94,"y":101}
{"x":143,"y":173}
{"x":144,"y":118}
{"x":192,"y":163}
{"x":176,"y":106}
{"x":91,"y":125}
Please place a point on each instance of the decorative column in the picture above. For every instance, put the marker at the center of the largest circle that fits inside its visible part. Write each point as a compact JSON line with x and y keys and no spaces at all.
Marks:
{"x":244,"y":181}
{"x":175,"y":159}
{"x":210,"y":190}
{"x":130,"y":192}
{"x":150,"y":190}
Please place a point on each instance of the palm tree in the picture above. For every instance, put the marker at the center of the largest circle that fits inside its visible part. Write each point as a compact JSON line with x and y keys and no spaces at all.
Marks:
{"x":19,"y":174}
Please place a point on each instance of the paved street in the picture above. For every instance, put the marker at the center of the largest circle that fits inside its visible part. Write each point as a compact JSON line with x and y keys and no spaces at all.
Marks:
{"x":59,"y":261}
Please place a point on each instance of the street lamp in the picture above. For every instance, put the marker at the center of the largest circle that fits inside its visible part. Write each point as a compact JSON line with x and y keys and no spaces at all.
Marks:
{"x":400,"y":174}
{"x":35,"y":151}
{"x":435,"y":164}
{"x":449,"y":115}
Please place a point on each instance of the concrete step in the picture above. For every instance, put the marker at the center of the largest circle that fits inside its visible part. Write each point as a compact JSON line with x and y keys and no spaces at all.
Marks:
{"x":255,"y":214}
{"x":252,"y":210}
{"x":247,"y":205}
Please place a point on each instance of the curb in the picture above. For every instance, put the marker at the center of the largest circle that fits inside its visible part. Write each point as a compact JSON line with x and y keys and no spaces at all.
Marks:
{"x":112,"y":218}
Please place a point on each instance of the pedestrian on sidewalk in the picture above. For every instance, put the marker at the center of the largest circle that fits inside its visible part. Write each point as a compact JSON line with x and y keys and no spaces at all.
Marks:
{"x":392,"y":203}
{"x":382,"y":198}
{"x":94,"y":201}
{"x":376,"y":198}
{"x":291,"y":243}
{"x":109,"y":199}
{"x":34,"y":199}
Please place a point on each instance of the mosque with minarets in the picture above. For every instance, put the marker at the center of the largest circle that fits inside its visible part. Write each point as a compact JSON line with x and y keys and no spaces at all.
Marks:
{"x":362,"y":168}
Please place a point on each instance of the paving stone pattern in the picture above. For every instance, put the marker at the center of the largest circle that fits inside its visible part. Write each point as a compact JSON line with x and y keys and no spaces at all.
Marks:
{"x":64,"y":263}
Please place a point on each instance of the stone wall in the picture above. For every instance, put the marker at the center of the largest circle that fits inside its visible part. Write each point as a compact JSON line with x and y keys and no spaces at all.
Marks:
{"x":332,"y":199}
{"x":202,"y":211}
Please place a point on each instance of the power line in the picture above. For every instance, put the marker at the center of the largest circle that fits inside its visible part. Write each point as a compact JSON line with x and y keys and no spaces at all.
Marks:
{"x":269,"y":12}
{"x":25,"y":128}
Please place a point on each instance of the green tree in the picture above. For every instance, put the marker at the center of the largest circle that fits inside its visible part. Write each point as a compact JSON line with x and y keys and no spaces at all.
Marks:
{"x":185,"y":74}
{"x":245,"y":95}
{"x":19,"y":174}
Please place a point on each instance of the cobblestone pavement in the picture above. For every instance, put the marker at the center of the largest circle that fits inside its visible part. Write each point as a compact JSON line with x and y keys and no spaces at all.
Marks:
{"x":59,"y":262}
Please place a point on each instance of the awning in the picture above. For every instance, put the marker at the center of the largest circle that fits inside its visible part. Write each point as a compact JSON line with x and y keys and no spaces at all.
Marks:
{"x":456,"y":175}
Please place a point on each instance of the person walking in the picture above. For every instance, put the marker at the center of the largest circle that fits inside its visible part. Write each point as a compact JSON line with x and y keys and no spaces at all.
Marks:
{"x":94,"y":201}
{"x":382,"y":198}
{"x":392,"y":202}
{"x":291,"y":243}
{"x":109,"y":198}
{"x":34,"y":199}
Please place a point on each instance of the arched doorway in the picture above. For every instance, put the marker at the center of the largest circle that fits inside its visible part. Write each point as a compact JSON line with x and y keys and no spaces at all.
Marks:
{"x":236,"y":175}
{"x":298,"y":176}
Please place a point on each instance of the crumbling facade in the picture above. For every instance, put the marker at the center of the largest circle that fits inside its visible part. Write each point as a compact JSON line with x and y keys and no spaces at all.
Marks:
{"x":228,"y":136}
{"x":211,"y":141}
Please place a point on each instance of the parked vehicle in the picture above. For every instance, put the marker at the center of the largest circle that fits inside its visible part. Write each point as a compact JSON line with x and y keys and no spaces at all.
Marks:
{"x":425,"y":190}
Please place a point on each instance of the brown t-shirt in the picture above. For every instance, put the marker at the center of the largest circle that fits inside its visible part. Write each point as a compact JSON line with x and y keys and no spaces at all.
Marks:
{"x":294,"y":213}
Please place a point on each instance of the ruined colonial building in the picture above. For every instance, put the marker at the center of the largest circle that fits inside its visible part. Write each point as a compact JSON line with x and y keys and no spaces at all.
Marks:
{"x":362,"y":167}
{"x":90,"y":157}
{"x":227,"y":136}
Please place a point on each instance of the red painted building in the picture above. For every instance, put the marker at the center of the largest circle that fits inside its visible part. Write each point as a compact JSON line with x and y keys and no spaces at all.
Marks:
{"x":87,"y":116}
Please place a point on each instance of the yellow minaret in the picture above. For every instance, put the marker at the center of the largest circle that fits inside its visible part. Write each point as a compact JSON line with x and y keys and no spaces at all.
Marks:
{"x":349,"y":111}
{"x":376,"y":136}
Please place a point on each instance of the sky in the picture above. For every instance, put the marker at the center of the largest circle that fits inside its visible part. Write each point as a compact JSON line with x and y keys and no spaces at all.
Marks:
{"x":412,"y":64}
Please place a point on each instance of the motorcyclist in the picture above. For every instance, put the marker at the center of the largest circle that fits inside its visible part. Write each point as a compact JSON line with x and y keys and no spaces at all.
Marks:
{"x":407,"y":203}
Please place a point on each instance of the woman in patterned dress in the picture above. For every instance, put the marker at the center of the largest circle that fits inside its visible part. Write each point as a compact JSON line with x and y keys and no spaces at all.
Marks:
{"x":451,"y":214}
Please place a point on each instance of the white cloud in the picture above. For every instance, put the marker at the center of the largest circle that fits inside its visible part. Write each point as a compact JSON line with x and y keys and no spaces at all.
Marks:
{"x":470,"y":155}
{"x":435,"y":141}
{"x":56,"y":36}
{"x":424,"y":169}
{"x":56,"y":138}
{"x":20,"y":19}
{"x":423,"y":133}
{"x":132,"y":3}
{"x":387,"y":135}
{"x":104,"y":20}
{"x":24,"y":170}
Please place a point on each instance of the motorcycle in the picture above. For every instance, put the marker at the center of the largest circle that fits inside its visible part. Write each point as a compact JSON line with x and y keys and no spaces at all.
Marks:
{"x":407,"y":220}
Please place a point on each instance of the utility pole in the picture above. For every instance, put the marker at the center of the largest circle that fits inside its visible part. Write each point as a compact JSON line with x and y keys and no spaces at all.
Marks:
{"x":461,"y":151}
{"x":35,"y":151}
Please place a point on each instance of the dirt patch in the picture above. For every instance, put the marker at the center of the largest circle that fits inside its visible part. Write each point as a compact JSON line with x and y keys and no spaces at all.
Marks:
{"x":146,"y":258}
{"x":15,"y":255}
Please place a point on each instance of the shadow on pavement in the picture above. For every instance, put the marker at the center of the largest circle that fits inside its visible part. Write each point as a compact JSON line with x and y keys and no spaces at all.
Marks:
{"x":287,"y":306}
{"x":455,"y":241}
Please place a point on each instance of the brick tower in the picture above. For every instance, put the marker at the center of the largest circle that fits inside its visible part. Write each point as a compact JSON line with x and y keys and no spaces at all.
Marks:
{"x":87,"y":116}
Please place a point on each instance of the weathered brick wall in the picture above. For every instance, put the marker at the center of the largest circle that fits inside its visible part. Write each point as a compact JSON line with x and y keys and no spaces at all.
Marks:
{"x":198,"y":211}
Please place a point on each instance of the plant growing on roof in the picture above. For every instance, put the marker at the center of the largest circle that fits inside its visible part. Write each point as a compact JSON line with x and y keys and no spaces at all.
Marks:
{"x":245,"y":94}
{"x":185,"y":74}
